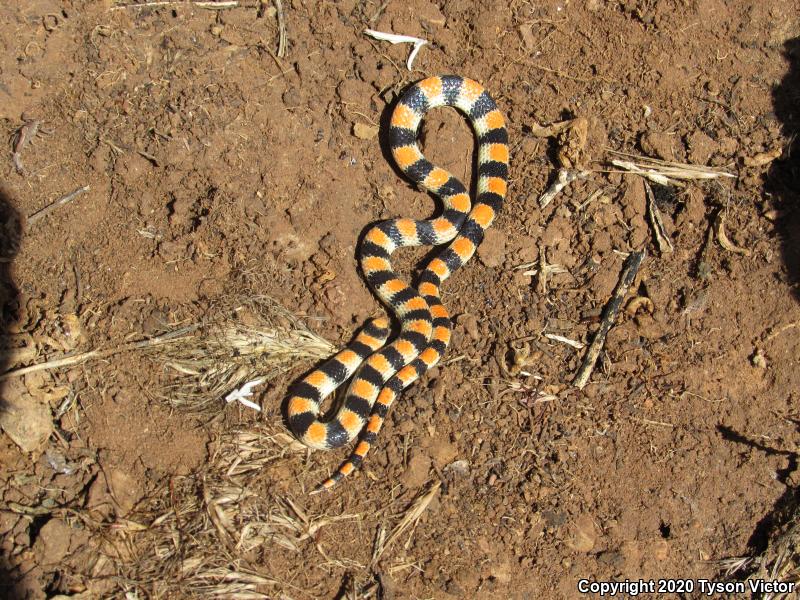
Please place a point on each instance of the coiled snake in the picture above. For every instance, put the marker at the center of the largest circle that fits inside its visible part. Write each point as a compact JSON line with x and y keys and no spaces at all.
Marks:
{"x":383,"y":371}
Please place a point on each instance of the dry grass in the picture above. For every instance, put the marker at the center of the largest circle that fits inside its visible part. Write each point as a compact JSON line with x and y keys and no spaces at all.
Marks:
{"x":780,"y":562}
{"x":665,"y":172}
{"x":201,"y":535}
{"x":409,"y":521}
{"x":217,"y":534}
{"x":243,"y":339}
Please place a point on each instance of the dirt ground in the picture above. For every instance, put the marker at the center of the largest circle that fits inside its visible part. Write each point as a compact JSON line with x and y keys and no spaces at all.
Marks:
{"x":219,"y":171}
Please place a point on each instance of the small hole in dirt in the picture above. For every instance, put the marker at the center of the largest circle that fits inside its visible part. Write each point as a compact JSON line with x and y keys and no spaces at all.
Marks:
{"x":664,"y":529}
{"x":36,"y":525}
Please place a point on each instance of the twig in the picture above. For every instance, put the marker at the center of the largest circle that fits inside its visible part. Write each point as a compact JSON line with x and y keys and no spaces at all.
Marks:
{"x":409,"y":520}
{"x":394,"y":38}
{"x":665,"y":172}
{"x":565,"y":340}
{"x":777,"y":332}
{"x":66,"y":361}
{"x":651,"y":422}
{"x":207,"y":5}
{"x":281,"y":29}
{"x":629,"y":270}
{"x":664,"y":243}
{"x":724,"y":240}
{"x":40,"y":214}
{"x":24,"y":137}
{"x":378,"y":12}
{"x":564,"y":178}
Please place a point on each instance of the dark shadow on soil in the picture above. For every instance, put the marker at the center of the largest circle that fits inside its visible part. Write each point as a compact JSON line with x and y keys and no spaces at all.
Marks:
{"x":785,"y":507}
{"x":783,"y":184}
{"x":782,"y":192}
{"x":10,"y":235}
{"x":783,"y":179}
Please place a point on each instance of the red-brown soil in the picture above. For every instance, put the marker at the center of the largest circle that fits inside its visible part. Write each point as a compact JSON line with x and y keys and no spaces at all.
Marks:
{"x":213,"y":161}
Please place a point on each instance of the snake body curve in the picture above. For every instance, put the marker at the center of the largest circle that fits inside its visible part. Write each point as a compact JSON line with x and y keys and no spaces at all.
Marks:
{"x":382,"y":372}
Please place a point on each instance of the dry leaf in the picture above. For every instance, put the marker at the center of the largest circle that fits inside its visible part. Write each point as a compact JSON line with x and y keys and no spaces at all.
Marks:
{"x":763,"y":158}
{"x":526,"y":31}
{"x":724,"y":241}
{"x":572,"y":144}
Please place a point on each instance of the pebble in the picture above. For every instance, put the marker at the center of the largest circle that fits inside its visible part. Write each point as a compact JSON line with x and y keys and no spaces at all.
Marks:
{"x":52,"y":543}
{"x":416,"y":474}
{"x":25,"y":420}
{"x":365,"y":132}
{"x":584,"y":534}
{"x":470,"y":324}
{"x":492,"y":250}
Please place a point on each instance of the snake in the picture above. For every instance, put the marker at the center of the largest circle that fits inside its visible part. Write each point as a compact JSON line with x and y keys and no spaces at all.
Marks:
{"x":380,"y":371}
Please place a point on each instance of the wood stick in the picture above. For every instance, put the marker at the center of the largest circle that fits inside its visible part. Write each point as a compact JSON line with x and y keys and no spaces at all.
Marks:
{"x":664,"y":243}
{"x":563,"y":179}
{"x":74,"y":359}
{"x":206,"y":5}
{"x":281,"y":29}
{"x":40,"y":214}
{"x":629,"y":270}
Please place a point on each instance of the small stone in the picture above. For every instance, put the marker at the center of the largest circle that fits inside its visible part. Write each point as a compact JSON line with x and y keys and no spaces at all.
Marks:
{"x":584,"y":534}
{"x":430,"y":12}
{"x":365,"y":132}
{"x":25,"y":420}
{"x":492,"y":251}
{"x":660,"y":145}
{"x":416,"y":474}
{"x":634,"y":200}
{"x":98,"y":499}
{"x":291,"y":98}
{"x":701,"y":147}
{"x":470,"y":324}
{"x":695,"y":208}
{"x":649,"y":328}
{"x":526,"y":33}
{"x":442,"y":452}
{"x":759,"y":360}
{"x":728,"y":146}
{"x":123,"y":489}
{"x":52,"y":543}
{"x":458,"y":467}
{"x":661,"y":550}
{"x":502,"y":571}
{"x":611,"y":559}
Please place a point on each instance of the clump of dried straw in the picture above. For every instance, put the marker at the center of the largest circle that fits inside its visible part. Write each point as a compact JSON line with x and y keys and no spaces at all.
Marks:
{"x":243,"y":340}
{"x":202,"y":535}
{"x":780,"y":562}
